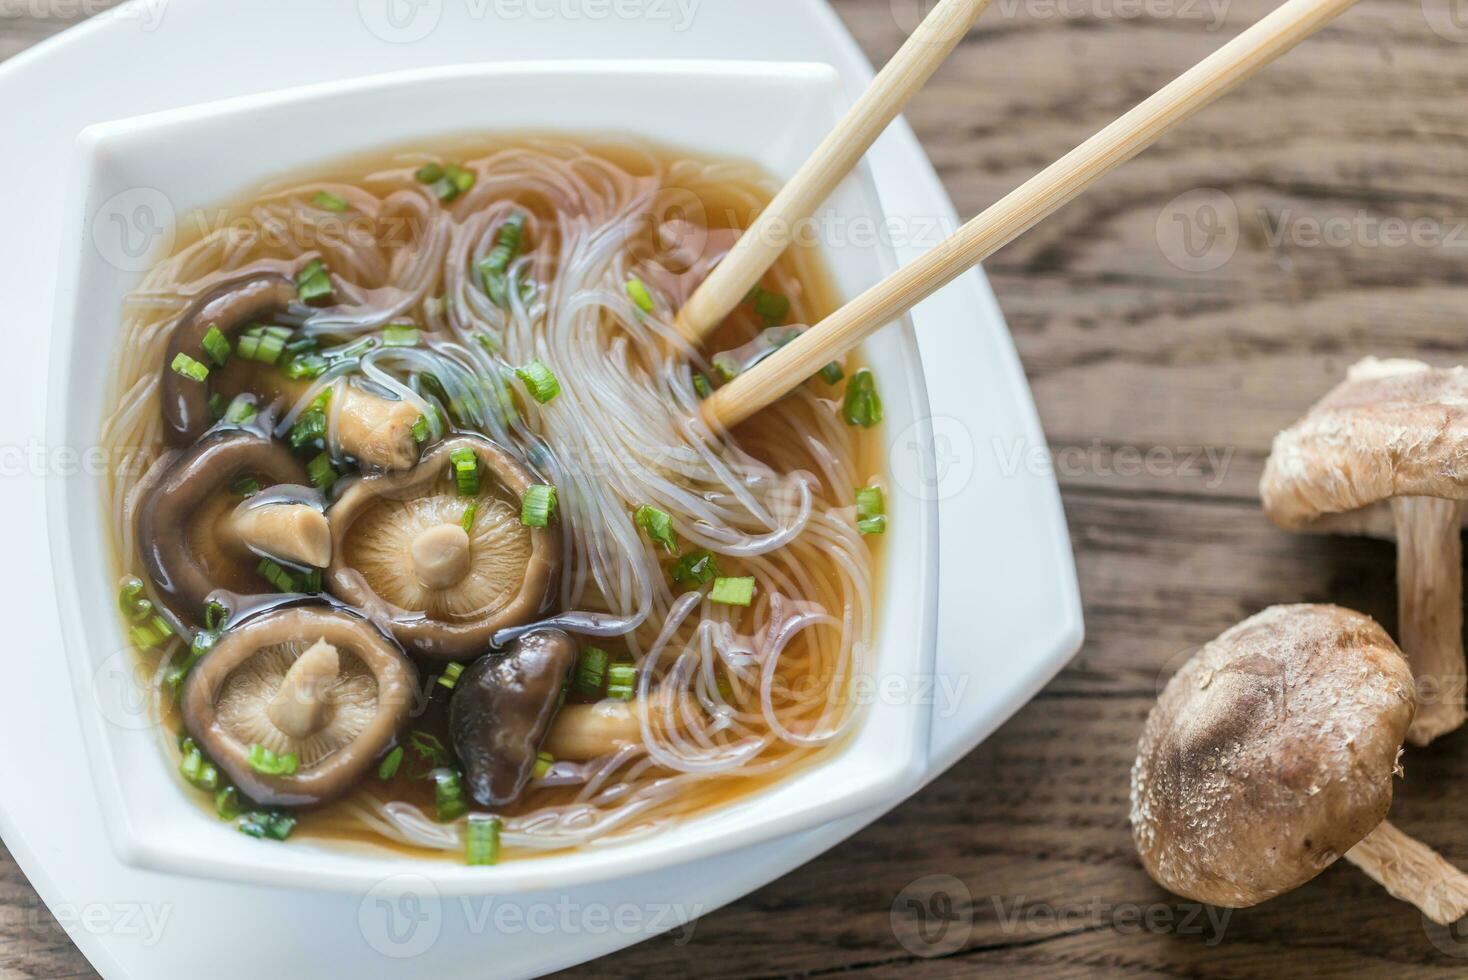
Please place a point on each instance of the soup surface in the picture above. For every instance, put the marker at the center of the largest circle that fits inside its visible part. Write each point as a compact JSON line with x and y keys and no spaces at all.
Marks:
{"x":428,"y":548}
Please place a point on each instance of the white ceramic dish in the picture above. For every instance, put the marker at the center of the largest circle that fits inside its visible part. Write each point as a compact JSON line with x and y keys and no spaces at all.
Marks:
{"x":156,"y":57}
{"x":137,"y":177}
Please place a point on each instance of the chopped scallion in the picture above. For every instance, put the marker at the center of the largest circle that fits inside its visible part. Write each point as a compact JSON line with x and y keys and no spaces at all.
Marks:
{"x":622,"y":682}
{"x":264,"y":824}
{"x":185,"y":366}
{"x":482,"y":841}
{"x":772,"y":307}
{"x":282,"y":580}
{"x":463,"y":180}
{"x":388,"y":768}
{"x":701,"y":386}
{"x":637,"y":289}
{"x":420,"y":430}
{"x":227,"y":803}
{"x":199,"y":647}
{"x":149,"y":635}
{"x":470,"y":512}
{"x":543,"y":763}
{"x":466,"y":471}
{"x":862,"y":405}
{"x":695,"y":569}
{"x":241,"y":410}
{"x":216,"y":345}
{"x":658,"y":525}
{"x":267,"y":763}
{"x":871,"y":511}
{"x":321,"y":472}
{"x":539,"y":505}
{"x":429,"y":173}
{"x":133,"y":601}
{"x":263,"y":344}
{"x":591,"y":672}
{"x":733,"y":591}
{"x":448,"y":795}
{"x":216,"y":614}
{"x":244,"y":486}
{"x":400,"y":335}
{"x":328,"y":201}
{"x":832,"y":373}
{"x":541,"y":381}
{"x":313,"y":284}
{"x":197,"y":770}
{"x":306,"y":367}
{"x":450,"y":676}
{"x":494,"y":267}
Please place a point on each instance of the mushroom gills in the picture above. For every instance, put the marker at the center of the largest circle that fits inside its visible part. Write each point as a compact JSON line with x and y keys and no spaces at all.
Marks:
{"x":302,"y":705}
{"x":290,"y":531}
{"x":501,"y":710}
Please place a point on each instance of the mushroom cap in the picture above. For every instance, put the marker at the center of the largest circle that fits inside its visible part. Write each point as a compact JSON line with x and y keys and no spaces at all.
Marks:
{"x":1391,"y":429}
{"x":229,"y":307}
{"x":501,"y":710}
{"x":226,"y":703}
{"x":180,"y":520}
{"x":511,"y":573}
{"x":1270,"y":754}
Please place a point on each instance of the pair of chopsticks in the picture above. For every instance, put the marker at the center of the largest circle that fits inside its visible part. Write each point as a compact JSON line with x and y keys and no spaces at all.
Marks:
{"x":1064,"y":180}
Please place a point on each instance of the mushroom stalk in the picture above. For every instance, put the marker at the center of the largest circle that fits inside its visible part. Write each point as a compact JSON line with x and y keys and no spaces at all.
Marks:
{"x":301,"y":705}
{"x":377,"y":431}
{"x":1430,"y":610}
{"x":296,"y":533}
{"x":441,"y":556}
{"x":1413,"y":872}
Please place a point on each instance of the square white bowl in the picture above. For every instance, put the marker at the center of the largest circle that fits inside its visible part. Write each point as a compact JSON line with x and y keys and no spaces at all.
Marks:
{"x":135,"y":177}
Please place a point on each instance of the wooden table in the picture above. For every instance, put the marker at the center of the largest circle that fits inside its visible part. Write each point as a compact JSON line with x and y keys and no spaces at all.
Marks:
{"x":1344,"y":170}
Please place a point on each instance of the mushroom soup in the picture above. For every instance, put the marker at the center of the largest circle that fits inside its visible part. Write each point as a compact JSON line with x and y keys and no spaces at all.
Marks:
{"x":431,"y":550}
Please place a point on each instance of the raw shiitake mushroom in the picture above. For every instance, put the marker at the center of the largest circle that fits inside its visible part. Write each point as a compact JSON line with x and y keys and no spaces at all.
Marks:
{"x":320,"y":688}
{"x":401,"y":551}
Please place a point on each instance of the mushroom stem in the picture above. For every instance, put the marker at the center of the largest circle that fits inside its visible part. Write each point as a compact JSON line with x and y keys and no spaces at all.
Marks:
{"x":300,"y":706}
{"x":1413,"y":872}
{"x":296,"y":533}
{"x":1430,"y":610}
{"x":441,"y":556}
{"x":377,"y":431}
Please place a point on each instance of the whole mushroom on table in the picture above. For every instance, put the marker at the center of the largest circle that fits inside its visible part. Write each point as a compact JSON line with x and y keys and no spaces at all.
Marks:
{"x":1386,"y":453}
{"x":1271,"y":754}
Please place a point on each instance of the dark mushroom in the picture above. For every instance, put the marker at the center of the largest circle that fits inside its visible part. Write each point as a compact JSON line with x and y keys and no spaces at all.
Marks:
{"x":229,"y":307}
{"x":400,"y":550}
{"x":321,"y":686}
{"x":501,"y":710}
{"x":196,"y":535}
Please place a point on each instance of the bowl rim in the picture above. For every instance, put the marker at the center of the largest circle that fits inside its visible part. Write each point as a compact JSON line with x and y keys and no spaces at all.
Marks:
{"x":448,"y":878}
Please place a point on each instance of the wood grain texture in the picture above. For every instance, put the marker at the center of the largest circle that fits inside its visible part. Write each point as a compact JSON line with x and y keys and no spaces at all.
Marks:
{"x":1131,"y":353}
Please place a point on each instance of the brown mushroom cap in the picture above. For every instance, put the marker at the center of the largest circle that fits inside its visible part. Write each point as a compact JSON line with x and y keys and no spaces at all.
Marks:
{"x":181,"y":524}
{"x":229,"y":307}
{"x":1391,"y":429}
{"x":337,"y":715}
{"x":396,"y":554}
{"x":1270,"y":754}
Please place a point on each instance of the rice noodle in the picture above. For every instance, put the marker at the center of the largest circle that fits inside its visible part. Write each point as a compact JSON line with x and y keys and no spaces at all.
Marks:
{"x":727,"y":693}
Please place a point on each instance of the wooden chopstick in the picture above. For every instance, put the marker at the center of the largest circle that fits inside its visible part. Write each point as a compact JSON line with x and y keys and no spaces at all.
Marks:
{"x":1020,"y":210}
{"x":774,"y":229}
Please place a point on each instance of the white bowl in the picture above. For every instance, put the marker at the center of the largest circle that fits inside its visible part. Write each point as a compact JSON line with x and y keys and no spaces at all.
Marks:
{"x":134,"y":176}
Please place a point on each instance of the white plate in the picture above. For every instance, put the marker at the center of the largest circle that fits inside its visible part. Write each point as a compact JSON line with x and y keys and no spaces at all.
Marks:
{"x":1007,"y":574}
{"x":133,"y":173}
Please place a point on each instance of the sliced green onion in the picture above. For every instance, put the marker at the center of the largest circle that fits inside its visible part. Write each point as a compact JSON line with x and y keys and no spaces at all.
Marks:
{"x":488,"y":341}
{"x":388,"y":767}
{"x":155,"y":631}
{"x":311,"y":425}
{"x":494,"y":267}
{"x":217,"y":406}
{"x":637,"y":289}
{"x":185,"y":366}
{"x":133,"y":601}
{"x":282,"y":580}
{"x":591,"y":672}
{"x":871,"y":511}
{"x":622,"y":682}
{"x":725,"y":366}
{"x":306,"y":367}
{"x":263,"y":344}
{"x":862,"y":405}
{"x":539,"y":505}
{"x":199,"y":647}
{"x":773,"y":307}
{"x":227,"y":803}
{"x":832,"y":373}
{"x":448,"y":795}
{"x":463,"y":179}
{"x":701,"y":386}
{"x":263,"y":824}
{"x":420,"y":430}
{"x":467,"y":521}
{"x":429,"y":173}
{"x":482,"y":841}
{"x":302,"y":345}
{"x":216,"y":614}
{"x":400,"y":335}
{"x":313,"y":284}
{"x":695,"y":569}
{"x":267,"y":763}
{"x":543,"y":763}
{"x":733,"y":591}
{"x":466,"y":471}
{"x":310,"y":583}
{"x":658,"y":525}
{"x":429,"y":749}
{"x":450,"y":676}
{"x":241,"y":410}
{"x":321,"y":472}
{"x":328,"y":201}
{"x":540,"y":380}
{"x":216,"y":345}
{"x":197,"y":770}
